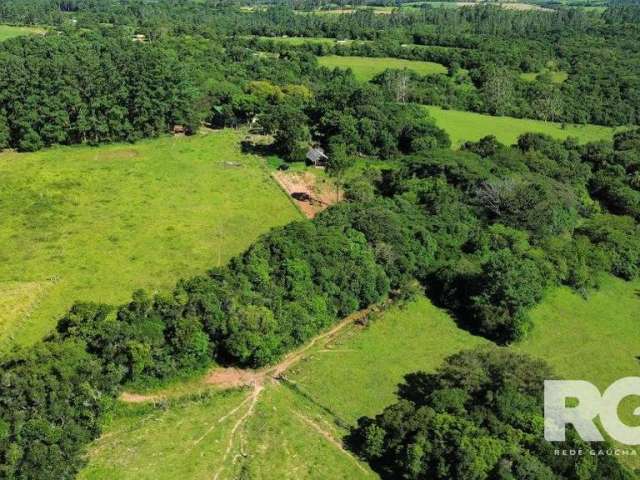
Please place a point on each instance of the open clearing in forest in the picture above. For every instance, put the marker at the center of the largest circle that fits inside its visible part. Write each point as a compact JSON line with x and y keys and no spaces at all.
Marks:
{"x":94,"y":224}
{"x":310,"y":192}
{"x":9,"y":31}
{"x":468,"y":126}
{"x":556,"y":77}
{"x":365,"y":68}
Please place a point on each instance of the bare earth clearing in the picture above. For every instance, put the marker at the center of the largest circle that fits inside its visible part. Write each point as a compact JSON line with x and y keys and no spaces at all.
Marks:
{"x":309,"y":195}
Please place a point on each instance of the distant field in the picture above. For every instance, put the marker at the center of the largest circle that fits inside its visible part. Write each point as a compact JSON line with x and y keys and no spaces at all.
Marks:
{"x":469,"y":126}
{"x":365,"y":68}
{"x":556,"y":77}
{"x":301,"y":40}
{"x":96,"y":223}
{"x":8,"y":31}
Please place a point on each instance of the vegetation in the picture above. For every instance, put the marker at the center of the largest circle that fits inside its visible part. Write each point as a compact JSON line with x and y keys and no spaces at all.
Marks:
{"x":366,"y":69}
{"x":479,"y":416}
{"x":112,"y":89}
{"x":126,"y":211}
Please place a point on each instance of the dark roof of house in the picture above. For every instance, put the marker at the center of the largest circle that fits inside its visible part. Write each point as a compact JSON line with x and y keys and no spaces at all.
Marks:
{"x":315,"y":154}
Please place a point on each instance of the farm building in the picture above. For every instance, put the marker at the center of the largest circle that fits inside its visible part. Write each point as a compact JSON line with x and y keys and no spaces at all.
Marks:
{"x":317,"y":157}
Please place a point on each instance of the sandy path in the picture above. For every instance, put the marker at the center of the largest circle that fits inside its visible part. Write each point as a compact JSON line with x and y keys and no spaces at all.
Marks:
{"x":226,"y":378}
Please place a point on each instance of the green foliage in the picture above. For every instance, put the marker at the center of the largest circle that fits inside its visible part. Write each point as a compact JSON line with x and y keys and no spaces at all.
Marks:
{"x":479,"y":416}
{"x":90,"y":89}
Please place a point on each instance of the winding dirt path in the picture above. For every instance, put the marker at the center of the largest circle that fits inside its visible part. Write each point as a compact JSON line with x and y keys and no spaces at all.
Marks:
{"x":227,"y":378}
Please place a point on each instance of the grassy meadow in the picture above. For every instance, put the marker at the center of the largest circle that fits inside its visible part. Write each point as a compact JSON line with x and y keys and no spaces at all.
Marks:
{"x":556,"y":77}
{"x":94,"y":224}
{"x":9,"y":31}
{"x":296,"y":41}
{"x":365,"y":68}
{"x":469,"y":126}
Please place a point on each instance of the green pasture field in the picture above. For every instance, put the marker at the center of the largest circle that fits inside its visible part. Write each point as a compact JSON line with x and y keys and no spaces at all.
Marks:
{"x":9,"y":31}
{"x":365,"y":68}
{"x":94,"y":224}
{"x":302,"y":40}
{"x":556,"y":77}
{"x":469,"y":126}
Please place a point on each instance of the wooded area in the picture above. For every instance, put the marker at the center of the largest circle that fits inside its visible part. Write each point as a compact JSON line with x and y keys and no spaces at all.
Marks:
{"x":484,"y":230}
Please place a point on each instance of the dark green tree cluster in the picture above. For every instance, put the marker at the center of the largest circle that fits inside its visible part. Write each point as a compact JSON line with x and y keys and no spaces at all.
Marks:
{"x":67,"y":89}
{"x":508,"y":222}
{"x":479,"y":416}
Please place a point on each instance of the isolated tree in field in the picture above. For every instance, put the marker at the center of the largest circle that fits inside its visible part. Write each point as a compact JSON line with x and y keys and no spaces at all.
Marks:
{"x":498,"y":90}
{"x":339,"y":162}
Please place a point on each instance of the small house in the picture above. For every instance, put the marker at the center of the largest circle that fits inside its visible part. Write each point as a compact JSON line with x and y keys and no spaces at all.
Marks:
{"x":317,"y":157}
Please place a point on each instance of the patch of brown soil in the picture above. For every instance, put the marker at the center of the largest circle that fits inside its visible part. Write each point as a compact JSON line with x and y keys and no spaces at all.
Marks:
{"x":138,"y":398}
{"x":310,"y":195}
{"x":232,"y":377}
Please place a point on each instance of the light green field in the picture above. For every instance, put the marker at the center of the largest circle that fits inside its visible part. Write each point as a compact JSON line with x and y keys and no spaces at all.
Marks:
{"x":359,"y":374}
{"x":301,"y":40}
{"x":595,"y":339}
{"x":556,"y":77}
{"x":283,"y":437}
{"x":94,"y":224}
{"x":8,"y":31}
{"x":469,"y":126}
{"x":365,"y":68}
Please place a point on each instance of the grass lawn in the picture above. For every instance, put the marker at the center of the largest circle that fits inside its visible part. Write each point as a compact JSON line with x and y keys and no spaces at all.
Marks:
{"x":463,"y":126}
{"x":185,"y":440}
{"x":365,"y":68}
{"x":94,"y":224}
{"x":301,"y":40}
{"x":359,"y":374}
{"x":594,"y":339}
{"x":556,"y":77}
{"x":9,"y":31}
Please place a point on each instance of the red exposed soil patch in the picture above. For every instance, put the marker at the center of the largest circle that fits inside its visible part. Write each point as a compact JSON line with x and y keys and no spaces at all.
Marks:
{"x":232,"y":377}
{"x":307,"y":192}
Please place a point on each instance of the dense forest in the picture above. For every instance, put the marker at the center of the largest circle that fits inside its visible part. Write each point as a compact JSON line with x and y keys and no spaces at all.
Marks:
{"x":484,"y":231}
{"x":583,"y":63}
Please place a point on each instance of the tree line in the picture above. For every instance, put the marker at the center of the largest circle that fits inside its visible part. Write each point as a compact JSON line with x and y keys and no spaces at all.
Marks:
{"x":90,"y":88}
